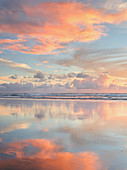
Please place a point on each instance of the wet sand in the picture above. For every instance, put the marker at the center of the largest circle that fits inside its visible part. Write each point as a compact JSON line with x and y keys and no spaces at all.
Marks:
{"x":63,"y":134}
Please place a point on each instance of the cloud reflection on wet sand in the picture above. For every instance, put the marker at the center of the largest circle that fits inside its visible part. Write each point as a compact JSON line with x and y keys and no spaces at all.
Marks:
{"x":63,"y":134}
{"x":45,"y":154}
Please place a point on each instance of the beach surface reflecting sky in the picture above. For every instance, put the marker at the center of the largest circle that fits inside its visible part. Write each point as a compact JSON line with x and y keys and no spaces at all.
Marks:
{"x":63,"y":134}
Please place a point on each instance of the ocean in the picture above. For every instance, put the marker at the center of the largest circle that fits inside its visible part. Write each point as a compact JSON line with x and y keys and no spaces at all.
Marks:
{"x":83,"y":96}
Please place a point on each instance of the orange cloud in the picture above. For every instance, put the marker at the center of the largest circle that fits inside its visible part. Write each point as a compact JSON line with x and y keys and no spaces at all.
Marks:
{"x":116,"y":18}
{"x":51,"y":28}
{"x":105,"y":80}
{"x":45,"y":62}
{"x":6,"y":41}
{"x":46,"y":130}
{"x":49,"y":66}
{"x":39,"y":64}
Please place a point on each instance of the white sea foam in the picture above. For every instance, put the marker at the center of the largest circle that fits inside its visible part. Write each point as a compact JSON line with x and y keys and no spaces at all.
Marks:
{"x":83,"y":96}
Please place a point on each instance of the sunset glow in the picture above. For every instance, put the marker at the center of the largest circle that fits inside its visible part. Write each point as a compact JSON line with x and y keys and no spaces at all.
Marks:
{"x":63,"y":46}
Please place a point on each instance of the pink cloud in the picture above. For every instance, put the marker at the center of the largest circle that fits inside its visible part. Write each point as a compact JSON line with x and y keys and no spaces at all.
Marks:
{"x":49,"y":66}
{"x":45,"y":62}
{"x":46,"y":130}
{"x":51,"y":28}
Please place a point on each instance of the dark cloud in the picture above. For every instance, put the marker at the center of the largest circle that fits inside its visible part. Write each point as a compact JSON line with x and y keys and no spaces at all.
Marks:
{"x":14,"y":87}
{"x":13,"y":77}
{"x":23,"y":87}
{"x":96,"y":84}
{"x":68,"y":86}
{"x":51,"y":77}
{"x":46,"y":86}
{"x":102,"y":82}
{"x":86,"y":84}
{"x":39,"y":76}
{"x":71,"y":75}
{"x":82,"y":75}
{"x":62,"y":76}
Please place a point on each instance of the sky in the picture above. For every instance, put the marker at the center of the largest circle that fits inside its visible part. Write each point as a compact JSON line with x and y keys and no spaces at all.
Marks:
{"x":63,"y":46}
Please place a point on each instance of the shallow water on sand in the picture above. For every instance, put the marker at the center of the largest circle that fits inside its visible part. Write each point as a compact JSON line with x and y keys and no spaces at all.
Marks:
{"x":63,"y":134}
